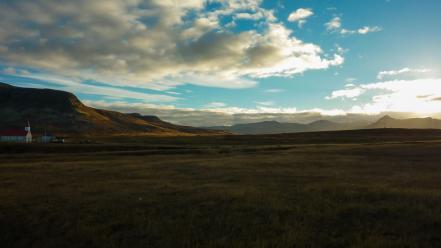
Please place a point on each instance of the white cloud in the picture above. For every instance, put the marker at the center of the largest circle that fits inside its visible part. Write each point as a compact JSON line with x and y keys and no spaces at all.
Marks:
{"x":259,"y":14}
{"x":266,"y":103}
{"x":216,"y":105}
{"x":301,"y":23}
{"x":346,"y":93}
{"x":249,"y":16}
{"x":415,"y":96}
{"x":335,"y":25}
{"x":350,"y":80}
{"x":235,"y":115}
{"x":274,"y":90}
{"x":300,"y":15}
{"x":340,"y":49}
{"x":153,"y":44}
{"x":10,"y":70}
{"x":173,"y":92}
{"x":383,"y":74}
{"x":75,"y":86}
{"x":364,"y":30}
{"x":256,"y":110}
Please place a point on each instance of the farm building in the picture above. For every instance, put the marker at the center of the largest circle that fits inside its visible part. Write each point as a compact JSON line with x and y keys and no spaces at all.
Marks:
{"x":16,"y":135}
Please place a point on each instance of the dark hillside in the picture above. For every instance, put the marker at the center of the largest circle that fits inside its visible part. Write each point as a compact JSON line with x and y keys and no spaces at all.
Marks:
{"x":61,"y":112}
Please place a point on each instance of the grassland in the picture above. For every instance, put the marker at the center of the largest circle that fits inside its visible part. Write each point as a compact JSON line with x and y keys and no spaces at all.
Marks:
{"x":372,"y":188}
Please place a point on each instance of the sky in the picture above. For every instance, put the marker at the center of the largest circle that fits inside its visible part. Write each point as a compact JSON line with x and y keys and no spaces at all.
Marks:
{"x":221,"y":62}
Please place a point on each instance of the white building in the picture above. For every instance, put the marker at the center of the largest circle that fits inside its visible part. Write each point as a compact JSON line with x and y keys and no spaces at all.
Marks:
{"x":16,"y":135}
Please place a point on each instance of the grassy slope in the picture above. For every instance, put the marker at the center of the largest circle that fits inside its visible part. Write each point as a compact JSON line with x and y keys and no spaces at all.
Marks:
{"x":62,"y":113}
{"x":211,"y":192}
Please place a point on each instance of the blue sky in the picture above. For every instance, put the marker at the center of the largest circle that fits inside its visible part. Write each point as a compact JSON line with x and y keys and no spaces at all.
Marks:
{"x":333,"y":57}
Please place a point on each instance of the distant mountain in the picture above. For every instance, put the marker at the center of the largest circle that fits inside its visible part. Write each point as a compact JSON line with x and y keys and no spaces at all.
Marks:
{"x":414,"y":123}
{"x":61,"y":112}
{"x":274,"y":127}
{"x":325,"y":125}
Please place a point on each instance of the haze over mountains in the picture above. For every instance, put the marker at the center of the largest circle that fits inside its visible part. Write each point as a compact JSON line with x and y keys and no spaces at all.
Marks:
{"x":61,"y":112}
{"x":274,"y":127}
{"x":416,"y":123}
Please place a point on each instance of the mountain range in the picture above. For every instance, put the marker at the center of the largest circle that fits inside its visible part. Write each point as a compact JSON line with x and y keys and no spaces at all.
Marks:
{"x":62,"y":113}
{"x":274,"y":127}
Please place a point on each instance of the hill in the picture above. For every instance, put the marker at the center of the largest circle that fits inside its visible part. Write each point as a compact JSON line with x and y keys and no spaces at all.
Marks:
{"x":274,"y":127}
{"x":62,"y":113}
{"x":413,"y":123}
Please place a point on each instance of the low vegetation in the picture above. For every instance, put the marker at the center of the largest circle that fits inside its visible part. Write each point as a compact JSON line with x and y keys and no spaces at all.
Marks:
{"x":373,"y":188}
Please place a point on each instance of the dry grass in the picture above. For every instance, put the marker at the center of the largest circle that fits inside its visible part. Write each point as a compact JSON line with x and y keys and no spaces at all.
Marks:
{"x":382,"y":193}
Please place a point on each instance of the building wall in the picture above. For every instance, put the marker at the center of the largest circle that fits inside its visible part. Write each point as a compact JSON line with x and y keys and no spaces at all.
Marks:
{"x":21,"y":139}
{"x":45,"y":139}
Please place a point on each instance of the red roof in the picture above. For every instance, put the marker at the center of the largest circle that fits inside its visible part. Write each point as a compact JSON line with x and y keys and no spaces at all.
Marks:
{"x":13,"y":132}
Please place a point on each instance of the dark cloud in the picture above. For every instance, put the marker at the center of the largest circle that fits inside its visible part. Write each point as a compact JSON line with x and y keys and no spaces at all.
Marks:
{"x":153,"y":44}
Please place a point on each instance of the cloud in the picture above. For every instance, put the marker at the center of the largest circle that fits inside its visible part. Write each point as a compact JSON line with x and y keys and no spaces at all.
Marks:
{"x":173,"y":92}
{"x":10,"y":70}
{"x":216,"y":105}
{"x":225,"y":116}
{"x":346,"y":93}
{"x":364,"y":30}
{"x":249,"y":16}
{"x":340,"y":49}
{"x":300,"y":15}
{"x":274,"y":90}
{"x":401,"y":98}
{"x":405,"y":71}
{"x":335,"y":25}
{"x":350,"y":80}
{"x":417,"y":96}
{"x":266,"y":103}
{"x":301,"y":23}
{"x":258,"y":15}
{"x":153,"y":44}
{"x":75,"y":86}
{"x":262,"y":109}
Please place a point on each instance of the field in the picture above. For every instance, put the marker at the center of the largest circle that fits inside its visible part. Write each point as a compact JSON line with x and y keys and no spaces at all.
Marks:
{"x":371,"y":188}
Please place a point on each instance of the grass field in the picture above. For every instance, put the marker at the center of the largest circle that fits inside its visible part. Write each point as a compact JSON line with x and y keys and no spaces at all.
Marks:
{"x":372,"y":188}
